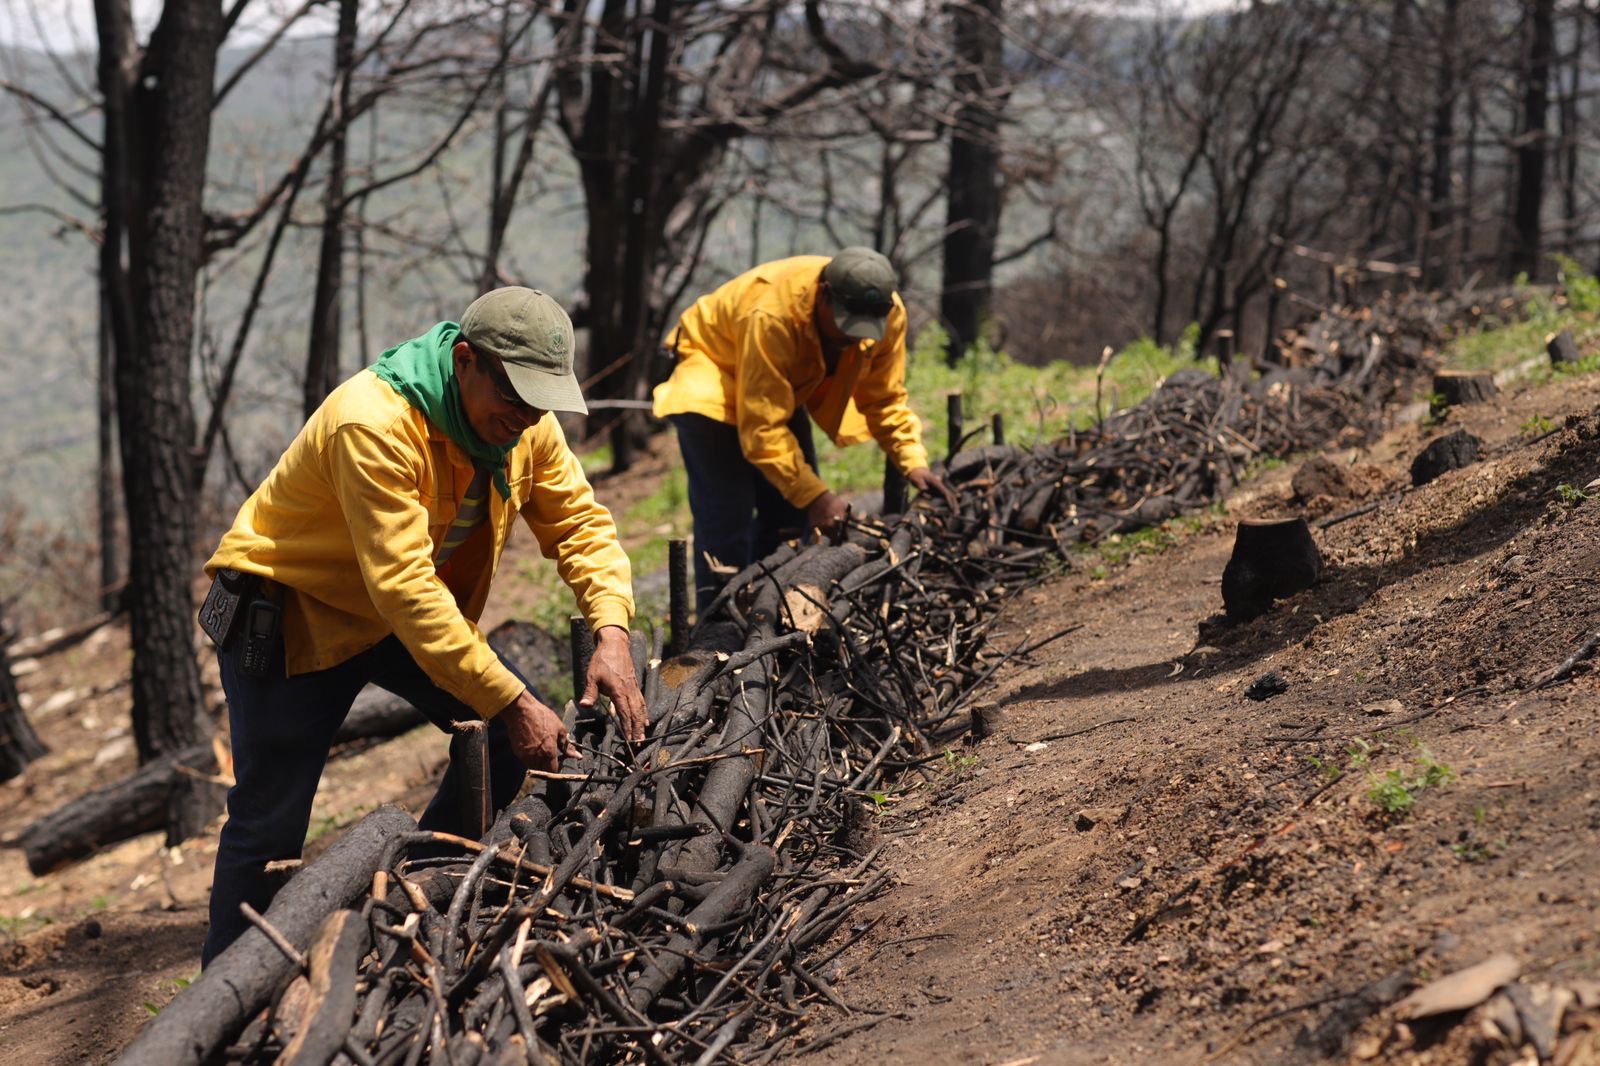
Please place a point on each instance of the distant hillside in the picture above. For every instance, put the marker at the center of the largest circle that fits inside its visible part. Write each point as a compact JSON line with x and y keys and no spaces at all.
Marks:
{"x":47,"y":424}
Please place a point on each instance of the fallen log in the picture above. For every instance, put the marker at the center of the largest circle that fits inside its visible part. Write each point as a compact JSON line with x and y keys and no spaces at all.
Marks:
{"x":245,"y":978}
{"x":134,"y":805}
{"x":377,"y":714}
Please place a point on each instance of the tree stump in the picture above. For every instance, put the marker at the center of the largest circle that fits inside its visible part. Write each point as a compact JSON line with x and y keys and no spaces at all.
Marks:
{"x":1465,"y":386}
{"x":1562,"y":348}
{"x":1444,"y":454}
{"x":1272,"y":558}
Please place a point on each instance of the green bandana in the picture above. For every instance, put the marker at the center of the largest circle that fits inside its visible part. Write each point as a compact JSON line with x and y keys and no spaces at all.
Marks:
{"x":423,"y":371}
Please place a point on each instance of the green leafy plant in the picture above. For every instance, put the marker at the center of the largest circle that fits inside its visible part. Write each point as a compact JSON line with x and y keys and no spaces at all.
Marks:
{"x":1395,"y":793}
{"x":1329,"y":770}
{"x":960,"y":765}
{"x":1568,"y":494}
{"x":1391,"y":793}
{"x":1582,"y":288}
{"x":1438,"y":407}
{"x":1536,"y":426}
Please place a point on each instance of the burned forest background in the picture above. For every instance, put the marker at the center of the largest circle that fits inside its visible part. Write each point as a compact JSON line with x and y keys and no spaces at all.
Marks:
{"x":216,"y":217}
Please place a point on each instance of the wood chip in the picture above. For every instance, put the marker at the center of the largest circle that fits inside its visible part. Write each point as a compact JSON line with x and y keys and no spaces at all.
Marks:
{"x":1461,"y":990}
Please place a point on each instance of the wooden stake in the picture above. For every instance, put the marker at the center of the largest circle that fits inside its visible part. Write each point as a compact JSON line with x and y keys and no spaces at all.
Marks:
{"x":469,"y":754}
{"x":677,"y":596}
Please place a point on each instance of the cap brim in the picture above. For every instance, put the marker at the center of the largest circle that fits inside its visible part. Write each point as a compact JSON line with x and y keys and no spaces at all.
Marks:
{"x":856,"y":325}
{"x":546,"y":390}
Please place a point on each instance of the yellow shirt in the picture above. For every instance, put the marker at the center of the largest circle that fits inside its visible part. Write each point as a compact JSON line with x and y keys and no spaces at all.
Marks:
{"x":351,"y":518}
{"x":748,"y":354}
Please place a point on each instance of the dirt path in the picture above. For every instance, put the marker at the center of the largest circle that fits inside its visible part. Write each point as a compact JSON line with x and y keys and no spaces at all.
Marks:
{"x":1183,"y":875}
{"x":1179,"y":881}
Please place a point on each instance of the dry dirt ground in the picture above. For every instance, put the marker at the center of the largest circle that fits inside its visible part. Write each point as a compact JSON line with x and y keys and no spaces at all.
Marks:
{"x":1143,"y":864}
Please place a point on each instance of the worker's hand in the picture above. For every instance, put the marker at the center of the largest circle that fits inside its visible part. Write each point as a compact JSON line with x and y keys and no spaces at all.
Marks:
{"x":537,"y":735}
{"x":826,"y":515}
{"x":926,"y":480}
{"x":611,"y":672}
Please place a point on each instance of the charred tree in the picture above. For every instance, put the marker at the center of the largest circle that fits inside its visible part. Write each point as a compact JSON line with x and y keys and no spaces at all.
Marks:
{"x":972,"y":215}
{"x":649,"y":122}
{"x":19,"y":744}
{"x":1539,"y":45}
{"x":158,"y":102}
{"x":322,"y":349}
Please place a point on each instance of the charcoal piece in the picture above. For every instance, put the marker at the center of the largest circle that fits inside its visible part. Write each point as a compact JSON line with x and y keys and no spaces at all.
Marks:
{"x":1266,"y":686}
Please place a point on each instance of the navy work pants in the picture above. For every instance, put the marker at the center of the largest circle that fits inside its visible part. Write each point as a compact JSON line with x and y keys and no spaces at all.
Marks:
{"x":282,"y":728}
{"x":739,"y":516}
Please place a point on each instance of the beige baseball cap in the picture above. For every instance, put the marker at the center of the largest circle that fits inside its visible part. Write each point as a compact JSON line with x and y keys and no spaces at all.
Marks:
{"x":532,"y":337}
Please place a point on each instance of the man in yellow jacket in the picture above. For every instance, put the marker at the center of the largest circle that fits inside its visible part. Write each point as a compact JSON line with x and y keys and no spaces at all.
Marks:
{"x":366,"y":556}
{"x":808,"y":338}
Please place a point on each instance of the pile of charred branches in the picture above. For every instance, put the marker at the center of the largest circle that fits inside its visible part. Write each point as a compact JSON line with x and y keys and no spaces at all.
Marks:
{"x":679,"y":901}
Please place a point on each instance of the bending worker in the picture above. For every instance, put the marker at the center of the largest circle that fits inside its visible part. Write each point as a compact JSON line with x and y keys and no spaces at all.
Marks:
{"x":366,"y":555}
{"x":757,"y":360}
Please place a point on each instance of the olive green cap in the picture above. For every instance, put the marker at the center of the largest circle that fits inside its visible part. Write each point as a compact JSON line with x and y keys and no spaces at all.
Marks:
{"x":861,"y":285}
{"x":532,"y":337}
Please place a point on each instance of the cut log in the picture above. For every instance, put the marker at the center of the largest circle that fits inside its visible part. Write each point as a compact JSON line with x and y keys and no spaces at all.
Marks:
{"x":340,"y":944}
{"x":204,"y":1017}
{"x":735,"y":892}
{"x":1272,"y":558}
{"x":1562,"y":348}
{"x":134,"y":805}
{"x":1465,"y":386}
{"x":1444,"y":454}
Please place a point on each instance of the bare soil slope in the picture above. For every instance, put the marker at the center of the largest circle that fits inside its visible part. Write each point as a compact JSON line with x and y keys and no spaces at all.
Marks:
{"x":1177,"y":874}
{"x":1188,"y":875}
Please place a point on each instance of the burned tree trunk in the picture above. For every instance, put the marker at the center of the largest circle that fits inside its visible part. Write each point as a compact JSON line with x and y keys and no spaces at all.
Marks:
{"x":19,"y":744}
{"x":1272,"y":558}
{"x":1465,"y":386}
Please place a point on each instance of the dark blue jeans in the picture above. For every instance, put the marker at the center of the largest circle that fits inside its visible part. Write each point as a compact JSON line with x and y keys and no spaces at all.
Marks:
{"x":739,"y":516}
{"x":282,"y":728}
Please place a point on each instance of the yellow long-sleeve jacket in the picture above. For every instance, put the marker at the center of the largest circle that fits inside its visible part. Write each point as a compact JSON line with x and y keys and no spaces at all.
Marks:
{"x":748,"y":354}
{"x":349,"y":521}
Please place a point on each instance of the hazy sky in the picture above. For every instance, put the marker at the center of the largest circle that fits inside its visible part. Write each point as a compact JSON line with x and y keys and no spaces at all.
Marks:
{"x":68,"y":25}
